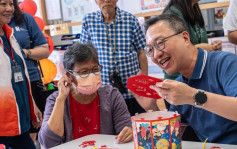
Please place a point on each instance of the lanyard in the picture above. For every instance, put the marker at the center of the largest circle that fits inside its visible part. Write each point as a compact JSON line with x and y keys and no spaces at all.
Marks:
{"x":110,"y":41}
{"x":11,"y":54}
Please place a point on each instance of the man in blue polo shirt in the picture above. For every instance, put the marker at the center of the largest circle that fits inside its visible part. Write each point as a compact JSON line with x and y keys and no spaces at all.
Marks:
{"x":205,"y":92}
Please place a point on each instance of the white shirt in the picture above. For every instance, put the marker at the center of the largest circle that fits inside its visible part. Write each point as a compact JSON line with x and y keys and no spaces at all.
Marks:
{"x":230,"y":21}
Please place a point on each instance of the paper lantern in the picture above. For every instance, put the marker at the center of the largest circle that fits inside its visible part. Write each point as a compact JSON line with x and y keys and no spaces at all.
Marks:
{"x":49,"y":70}
{"x":50,"y":43}
{"x":40,"y":22}
{"x":157,"y":130}
{"x":28,"y":6}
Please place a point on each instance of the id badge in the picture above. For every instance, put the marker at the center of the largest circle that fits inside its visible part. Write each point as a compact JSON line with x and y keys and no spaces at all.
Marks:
{"x":18,"y":77}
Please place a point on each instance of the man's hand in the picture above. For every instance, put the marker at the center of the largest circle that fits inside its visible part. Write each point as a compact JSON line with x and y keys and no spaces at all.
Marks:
{"x":126,"y":135}
{"x":175,"y":92}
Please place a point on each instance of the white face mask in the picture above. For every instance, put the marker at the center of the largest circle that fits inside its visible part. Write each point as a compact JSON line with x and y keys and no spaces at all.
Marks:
{"x":89,"y":85}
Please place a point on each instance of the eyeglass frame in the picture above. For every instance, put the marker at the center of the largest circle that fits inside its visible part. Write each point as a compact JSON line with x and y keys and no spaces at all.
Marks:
{"x":156,"y":45}
{"x":89,"y":71}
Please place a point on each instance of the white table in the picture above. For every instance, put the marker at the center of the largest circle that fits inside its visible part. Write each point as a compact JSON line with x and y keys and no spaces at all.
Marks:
{"x":109,"y":141}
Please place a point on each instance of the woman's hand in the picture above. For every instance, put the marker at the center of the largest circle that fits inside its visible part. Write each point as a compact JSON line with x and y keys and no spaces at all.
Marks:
{"x":37,"y":124}
{"x":126,"y":135}
{"x":64,"y":86}
{"x":217,"y":45}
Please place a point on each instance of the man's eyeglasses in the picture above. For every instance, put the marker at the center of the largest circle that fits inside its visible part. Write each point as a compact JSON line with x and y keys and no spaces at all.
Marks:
{"x":159,"y":45}
{"x":85,"y":73}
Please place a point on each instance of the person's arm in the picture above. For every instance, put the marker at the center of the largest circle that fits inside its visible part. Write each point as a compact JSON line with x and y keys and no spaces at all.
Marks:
{"x":55,"y":122}
{"x":54,"y":111}
{"x":142,"y":62}
{"x":214,"y":46}
{"x":121,"y":118}
{"x":178,"y":93}
{"x":37,"y":53}
{"x":232,"y":36}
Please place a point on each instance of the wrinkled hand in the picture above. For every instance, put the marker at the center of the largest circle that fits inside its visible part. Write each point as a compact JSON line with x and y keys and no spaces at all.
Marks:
{"x":64,"y":86}
{"x":217,"y":45}
{"x":37,"y":124}
{"x":126,"y":135}
{"x":176,"y":93}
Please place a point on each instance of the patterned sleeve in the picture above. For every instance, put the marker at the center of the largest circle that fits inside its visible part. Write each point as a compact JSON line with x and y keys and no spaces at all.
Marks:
{"x":139,"y":37}
{"x":84,"y":37}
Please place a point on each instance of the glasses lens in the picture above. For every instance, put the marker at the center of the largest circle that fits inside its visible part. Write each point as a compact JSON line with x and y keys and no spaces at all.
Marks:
{"x":149,"y":51}
{"x":97,"y":70}
{"x":160,"y":45}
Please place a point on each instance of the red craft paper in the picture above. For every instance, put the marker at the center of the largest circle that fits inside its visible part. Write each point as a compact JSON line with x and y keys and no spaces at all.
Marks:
{"x":140,"y":85}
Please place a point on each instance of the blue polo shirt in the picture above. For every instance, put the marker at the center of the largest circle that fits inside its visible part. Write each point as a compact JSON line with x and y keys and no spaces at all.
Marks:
{"x":214,"y":72}
{"x":24,"y":35}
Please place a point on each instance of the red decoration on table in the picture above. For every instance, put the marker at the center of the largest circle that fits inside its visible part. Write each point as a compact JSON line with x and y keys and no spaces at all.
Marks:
{"x":87,"y":143}
{"x":140,"y":85}
{"x":214,"y":147}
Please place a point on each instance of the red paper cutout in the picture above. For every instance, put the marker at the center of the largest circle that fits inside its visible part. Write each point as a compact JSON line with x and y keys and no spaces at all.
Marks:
{"x":87,"y":143}
{"x":214,"y":147}
{"x":140,"y":85}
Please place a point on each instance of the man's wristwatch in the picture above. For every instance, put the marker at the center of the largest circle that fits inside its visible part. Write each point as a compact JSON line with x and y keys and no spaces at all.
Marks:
{"x":200,"y":98}
{"x":29,"y":53}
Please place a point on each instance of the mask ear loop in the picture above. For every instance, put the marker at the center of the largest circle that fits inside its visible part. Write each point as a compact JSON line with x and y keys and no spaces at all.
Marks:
{"x":70,"y":76}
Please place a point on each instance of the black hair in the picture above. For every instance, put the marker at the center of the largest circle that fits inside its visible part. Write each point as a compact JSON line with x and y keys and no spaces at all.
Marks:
{"x":18,"y":14}
{"x":173,"y":21}
{"x":78,"y":53}
{"x":192,"y":14}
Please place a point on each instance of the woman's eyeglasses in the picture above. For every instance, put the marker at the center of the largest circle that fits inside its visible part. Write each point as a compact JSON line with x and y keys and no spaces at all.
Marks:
{"x":86,"y":72}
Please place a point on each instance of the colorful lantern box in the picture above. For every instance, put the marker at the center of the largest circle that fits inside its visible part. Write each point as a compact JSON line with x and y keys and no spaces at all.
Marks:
{"x":157,"y":130}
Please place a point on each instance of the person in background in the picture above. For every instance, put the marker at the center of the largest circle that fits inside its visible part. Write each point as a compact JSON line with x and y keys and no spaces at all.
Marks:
{"x":230,"y":22}
{"x":206,"y":90}
{"x":120,"y":41}
{"x":17,"y":107}
{"x":82,"y":106}
{"x":189,"y":11}
{"x":32,"y":40}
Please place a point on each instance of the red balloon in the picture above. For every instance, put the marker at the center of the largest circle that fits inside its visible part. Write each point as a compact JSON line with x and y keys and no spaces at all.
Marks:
{"x":40,"y":22}
{"x":28,"y":6}
{"x":50,"y":43}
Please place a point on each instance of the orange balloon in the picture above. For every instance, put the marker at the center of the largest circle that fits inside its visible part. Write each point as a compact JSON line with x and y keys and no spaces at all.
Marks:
{"x":40,"y":22}
{"x":49,"y":70}
{"x":50,"y":43}
{"x":28,"y":6}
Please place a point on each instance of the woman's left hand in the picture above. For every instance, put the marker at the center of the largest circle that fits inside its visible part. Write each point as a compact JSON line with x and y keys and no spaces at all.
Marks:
{"x":38,"y":114}
{"x":126,"y":135}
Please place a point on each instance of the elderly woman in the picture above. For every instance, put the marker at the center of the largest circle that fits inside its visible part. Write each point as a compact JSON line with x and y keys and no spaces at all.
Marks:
{"x":82,"y":106}
{"x":17,"y":108}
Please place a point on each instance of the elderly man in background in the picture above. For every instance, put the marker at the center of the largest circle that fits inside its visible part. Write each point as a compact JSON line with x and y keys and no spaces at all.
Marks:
{"x":119,"y":40}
